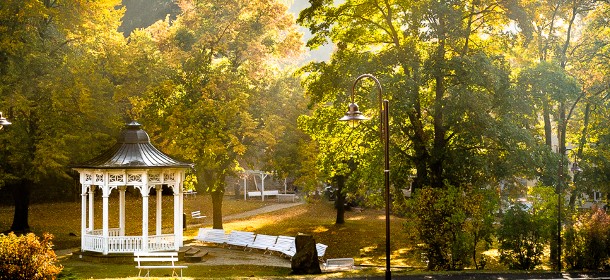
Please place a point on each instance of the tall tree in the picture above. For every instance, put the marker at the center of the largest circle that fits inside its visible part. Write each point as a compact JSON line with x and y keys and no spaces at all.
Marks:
{"x":54,"y":77}
{"x":219,"y":57}
{"x":589,"y":134}
{"x":455,"y":119}
{"x":448,"y":86}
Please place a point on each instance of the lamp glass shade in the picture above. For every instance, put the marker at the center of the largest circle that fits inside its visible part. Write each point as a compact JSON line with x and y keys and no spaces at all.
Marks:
{"x":3,"y":121}
{"x":353,"y":115}
{"x":575,"y":168}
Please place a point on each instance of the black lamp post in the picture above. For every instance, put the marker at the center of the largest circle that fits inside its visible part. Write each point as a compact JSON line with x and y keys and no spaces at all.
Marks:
{"x":353,"y":116}
{"x":3,"y":121}
{"x":560,"y":180}
{"x":575,"y":170}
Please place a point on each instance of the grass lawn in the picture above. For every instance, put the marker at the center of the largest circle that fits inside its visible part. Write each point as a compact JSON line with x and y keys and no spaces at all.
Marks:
{"x":362,"y":237}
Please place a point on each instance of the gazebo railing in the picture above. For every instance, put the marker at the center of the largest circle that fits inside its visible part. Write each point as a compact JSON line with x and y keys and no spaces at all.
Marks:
{"x":162,"y":242}
{"x":128,"y":244}
{"x":124,"y":244}
{"x":94,"y":243}
{"x":111,"y":232}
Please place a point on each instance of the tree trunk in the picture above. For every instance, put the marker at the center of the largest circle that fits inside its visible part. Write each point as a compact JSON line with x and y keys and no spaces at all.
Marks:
{"x":305,"y":261}
{"x":439,"y":145}
{"x":217,"y":196}
{"x":340,"y":201}
{"x":21,"y":195}
{"x":548,"y":131}
{"x":214,"y":184}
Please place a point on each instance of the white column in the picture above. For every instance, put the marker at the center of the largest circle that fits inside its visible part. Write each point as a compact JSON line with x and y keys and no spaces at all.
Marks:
{"x":122,"y":210}
{"x":177,"y":221}
{"x":105,"y":195}
{"x":91,"y":206}
{"x":159,"y":216}
{"x":178,"y":211}
{"x":83,"y":218}
{"x":145,"y":218}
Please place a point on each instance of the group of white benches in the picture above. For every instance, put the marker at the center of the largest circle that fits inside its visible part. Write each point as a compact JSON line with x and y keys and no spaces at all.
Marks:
{"x":284,"y":245}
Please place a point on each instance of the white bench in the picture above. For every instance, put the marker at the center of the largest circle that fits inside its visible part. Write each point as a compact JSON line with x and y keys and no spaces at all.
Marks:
{"x":240,"y":238}
{"x":284,"y":245}
{"x":211,"y":235}
{"x":339,"y":264}
{"x":286,"y":197}
{"x":190,"y":193}
{"x":254,"y":194}
{"x":157,"y":260}
{"x":321,"y":248}
{"x":197,"y":215}
{"x":265,"y":193}
{"x":263,"y":242}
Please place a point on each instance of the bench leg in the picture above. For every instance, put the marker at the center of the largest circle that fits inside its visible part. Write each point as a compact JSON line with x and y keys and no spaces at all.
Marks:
{"x":174,"y":273}
{"x":147,"y":273}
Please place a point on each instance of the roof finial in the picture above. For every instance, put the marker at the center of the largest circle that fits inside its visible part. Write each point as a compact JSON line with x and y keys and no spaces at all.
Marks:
{"x":133,"y":125}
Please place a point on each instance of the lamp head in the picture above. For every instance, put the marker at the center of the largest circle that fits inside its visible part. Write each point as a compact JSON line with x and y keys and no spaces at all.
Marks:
{"x":353,"y":115}
{"x":575,"y":168}
{"x":3,"y":121}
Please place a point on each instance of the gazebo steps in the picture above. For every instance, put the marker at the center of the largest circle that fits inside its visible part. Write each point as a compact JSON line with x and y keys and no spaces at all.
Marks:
{"x":115,"y":258}
{"x":191,"y":254}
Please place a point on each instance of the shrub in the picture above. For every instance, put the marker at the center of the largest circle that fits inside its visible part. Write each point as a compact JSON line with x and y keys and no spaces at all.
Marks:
{"x":587,"y":241}
{"x":450,"y":223}
{"x":27,"y":257}
{"x":521,"y":241}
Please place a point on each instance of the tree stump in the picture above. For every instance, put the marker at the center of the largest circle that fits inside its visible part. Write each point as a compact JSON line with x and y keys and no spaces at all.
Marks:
{"x":305,"y":260}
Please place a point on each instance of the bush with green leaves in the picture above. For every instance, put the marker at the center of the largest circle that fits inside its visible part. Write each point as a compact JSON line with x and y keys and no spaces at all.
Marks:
{"x":27,"y":257}
{"x":521,"y":241}
{"x":451,"y":223}
{"x":588,"y":241}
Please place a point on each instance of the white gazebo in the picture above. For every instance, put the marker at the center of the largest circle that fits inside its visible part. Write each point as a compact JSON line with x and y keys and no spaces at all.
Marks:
{"x":133,"y":161}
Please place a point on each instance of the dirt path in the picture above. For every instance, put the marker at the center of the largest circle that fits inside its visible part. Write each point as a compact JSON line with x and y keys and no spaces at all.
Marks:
{"x":262,"y":210}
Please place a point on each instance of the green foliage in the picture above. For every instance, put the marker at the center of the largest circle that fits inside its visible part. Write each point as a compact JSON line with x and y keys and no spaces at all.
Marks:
{"x":520,"y":243}
{"x":27,"y":257}
{"x":588,"y":241}
{"x":211,"y":79}
{"x":454,"y":114}
{"x":451,"y":223}
{"x":210,"y":89}
{"x":57,"y":67}
{"x":525,"y":229}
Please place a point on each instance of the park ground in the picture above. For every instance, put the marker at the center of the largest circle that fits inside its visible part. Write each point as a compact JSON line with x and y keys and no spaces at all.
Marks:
{"x":362,"y":237}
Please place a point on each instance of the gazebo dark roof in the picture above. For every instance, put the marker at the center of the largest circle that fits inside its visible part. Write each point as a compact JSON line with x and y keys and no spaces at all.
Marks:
{"x":133,"y":150}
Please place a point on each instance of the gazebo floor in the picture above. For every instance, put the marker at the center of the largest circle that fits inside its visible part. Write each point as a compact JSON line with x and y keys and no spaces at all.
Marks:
{"x":116,"y":258}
